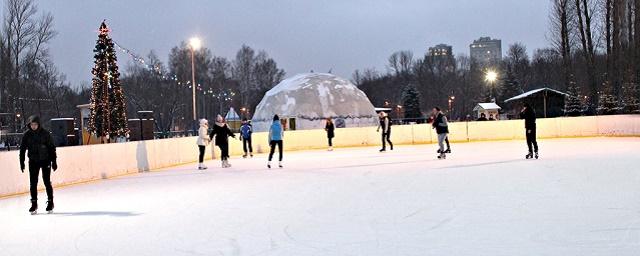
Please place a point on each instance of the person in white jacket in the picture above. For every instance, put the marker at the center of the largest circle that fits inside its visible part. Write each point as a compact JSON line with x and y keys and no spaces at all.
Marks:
{"x":203,"y":141}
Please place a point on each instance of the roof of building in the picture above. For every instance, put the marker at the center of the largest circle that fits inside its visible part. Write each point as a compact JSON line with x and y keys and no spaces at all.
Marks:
{"x":232,"y":115}
{"x":532,"y":92}
{"x":486,"y":106}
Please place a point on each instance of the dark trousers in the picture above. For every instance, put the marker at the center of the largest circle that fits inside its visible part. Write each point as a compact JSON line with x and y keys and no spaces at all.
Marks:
{"x":275,"y":143}
{"x":246,"y":144}
{"x":34,"y":171}
{"x":201,"y":155}
{"x":386,"y":137}
{"x":330,"y":141}
{"x":224,"y":151}
{"x":447,"y":141}
{"x":532,"y":142}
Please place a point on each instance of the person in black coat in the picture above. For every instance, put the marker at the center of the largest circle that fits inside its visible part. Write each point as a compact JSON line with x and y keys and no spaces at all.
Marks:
{"x":330,"y":129}
{"x":42,"y":155}
{"x":529,"y":116}
{"x":222,"y":132}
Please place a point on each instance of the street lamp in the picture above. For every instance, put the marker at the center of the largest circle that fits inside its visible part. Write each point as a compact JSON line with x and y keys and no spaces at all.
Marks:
{"x":195,"y":44}
{"x":491,"y":77}
{"x":451,"y":98}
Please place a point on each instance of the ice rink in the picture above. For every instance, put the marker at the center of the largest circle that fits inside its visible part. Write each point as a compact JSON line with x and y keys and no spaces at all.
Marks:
{"x":581,"y":198}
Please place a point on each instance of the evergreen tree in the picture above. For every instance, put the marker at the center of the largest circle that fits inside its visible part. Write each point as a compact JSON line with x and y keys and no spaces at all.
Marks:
{"x":630,"y":104}
{"x":607,"y":104}
{"x":411,"y":101}
{"x":108,"y":109}
{"x":510,"y":86}
{"x":573,"y":103}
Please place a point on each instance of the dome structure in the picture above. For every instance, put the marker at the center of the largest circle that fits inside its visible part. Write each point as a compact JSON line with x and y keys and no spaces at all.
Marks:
{"x":306,"y":100}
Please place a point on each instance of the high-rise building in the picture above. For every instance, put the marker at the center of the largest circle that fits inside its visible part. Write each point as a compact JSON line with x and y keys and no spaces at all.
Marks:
{"x":486,"y":50}
{"x":441,"y":50}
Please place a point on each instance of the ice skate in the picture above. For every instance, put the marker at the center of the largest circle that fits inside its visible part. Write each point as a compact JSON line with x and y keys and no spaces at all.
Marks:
{"x":442,"y":156}
{"x":50,"y":206}
{"x":448,"y":151}
{"x":244,"y":156}
{"x":529,"y":155}
{"x":383,"y":150}
{"x":536,"y":155}
{"x":251,"y":155}
{"x":330,"y":149}
{"x":34,"y":207}
{"x":269,"y":164}
{"x":227,"y":164}
{"x":280,"y":164}
{"x":201,"y":166}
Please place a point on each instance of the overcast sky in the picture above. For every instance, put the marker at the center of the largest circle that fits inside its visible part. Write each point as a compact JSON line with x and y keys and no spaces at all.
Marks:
{"x":301,"y":35}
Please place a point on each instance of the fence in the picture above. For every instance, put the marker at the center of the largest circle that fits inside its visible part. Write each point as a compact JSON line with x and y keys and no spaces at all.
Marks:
{"x":93,"y":162}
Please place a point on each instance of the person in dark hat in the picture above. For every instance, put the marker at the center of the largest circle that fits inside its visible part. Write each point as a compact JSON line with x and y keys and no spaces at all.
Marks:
{"x":38,"y":144}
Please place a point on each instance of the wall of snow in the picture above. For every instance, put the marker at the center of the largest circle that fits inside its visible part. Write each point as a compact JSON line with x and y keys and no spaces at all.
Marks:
{"x":94,"y":162}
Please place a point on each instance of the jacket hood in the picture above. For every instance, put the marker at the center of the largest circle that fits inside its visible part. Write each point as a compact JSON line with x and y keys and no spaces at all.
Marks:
{"x":34,"y":119}
{"x":203,"y":122}
{"x":220,"y":124}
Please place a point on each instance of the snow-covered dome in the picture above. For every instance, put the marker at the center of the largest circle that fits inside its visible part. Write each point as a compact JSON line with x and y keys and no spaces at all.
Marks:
{"x":308,"y":99}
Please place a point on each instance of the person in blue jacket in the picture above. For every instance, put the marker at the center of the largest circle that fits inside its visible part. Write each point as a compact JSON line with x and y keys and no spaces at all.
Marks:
{"x":245,"y":134}
{"x":276,"y":134}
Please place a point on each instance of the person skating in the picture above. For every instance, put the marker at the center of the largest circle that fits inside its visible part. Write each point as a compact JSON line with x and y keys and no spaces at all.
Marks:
{"x":276,"y":134}
{"x":42,"y":156}
{"x":203,"y":141}
{"x":441,"y":125}
{"x":246,"y":130}
{"x":222,"y":132}
{"x":330,"y":129}
{"x":529,"y":116}
{"x":385,"y":124}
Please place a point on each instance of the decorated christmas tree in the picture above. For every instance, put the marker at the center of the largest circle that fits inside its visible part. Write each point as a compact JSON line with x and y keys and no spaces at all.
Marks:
{"x":108,"y":109}
{"x":573,"y":102}
{"x":411,"y":101}
{"x":607,"y":104}
{"x":630,"y":104}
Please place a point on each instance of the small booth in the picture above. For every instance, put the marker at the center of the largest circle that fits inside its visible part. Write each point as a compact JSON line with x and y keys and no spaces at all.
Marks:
{"x":545,"y":101}
{"x":488,"y":109}
{"x":233,"y":120}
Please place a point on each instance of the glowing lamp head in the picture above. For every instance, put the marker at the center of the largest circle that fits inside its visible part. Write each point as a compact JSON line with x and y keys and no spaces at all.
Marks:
{"x":195,"y":43}
{"x":491,"y":76}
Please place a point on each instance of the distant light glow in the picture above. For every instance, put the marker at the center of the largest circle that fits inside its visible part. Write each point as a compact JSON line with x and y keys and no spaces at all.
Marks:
{"x":195,"y":43}
{"x":491,"y":76}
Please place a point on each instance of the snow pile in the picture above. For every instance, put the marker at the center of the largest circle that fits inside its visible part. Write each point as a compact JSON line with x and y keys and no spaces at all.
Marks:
{"x":311,"y":98}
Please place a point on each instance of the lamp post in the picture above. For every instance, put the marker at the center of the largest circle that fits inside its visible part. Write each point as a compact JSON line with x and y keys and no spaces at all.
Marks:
{"x":195,"y":44}
{"x":451,"y":99}
{"x":491,"y":77}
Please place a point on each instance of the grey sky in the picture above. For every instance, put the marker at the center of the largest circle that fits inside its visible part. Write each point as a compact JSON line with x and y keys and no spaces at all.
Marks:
{"x":300,"y":35}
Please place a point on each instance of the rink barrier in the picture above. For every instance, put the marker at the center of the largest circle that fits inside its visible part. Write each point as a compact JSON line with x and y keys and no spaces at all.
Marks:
{"x":94,"y":162}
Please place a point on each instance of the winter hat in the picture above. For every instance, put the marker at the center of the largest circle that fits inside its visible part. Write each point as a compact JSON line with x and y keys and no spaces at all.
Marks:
{"x":34,"y":119}
{"x":203,"y":122}
{"x":276,"y":118}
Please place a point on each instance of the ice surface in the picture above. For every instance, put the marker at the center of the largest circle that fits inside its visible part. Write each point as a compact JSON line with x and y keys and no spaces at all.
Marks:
{"x":581,"y":198}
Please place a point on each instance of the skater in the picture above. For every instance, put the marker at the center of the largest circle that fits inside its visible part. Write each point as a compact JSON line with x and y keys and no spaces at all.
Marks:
{"x":246,"y":130}
{"x":385,"y":124}
{"x":203,"y":141}
{"x":441,"y":125}
{"x":483,"y":117}
{"x":42,"y":155}
{"x":276,"y":134}
{"x":222,"y":132}
{"x":529,"y":116}
{"x":330,"y":129}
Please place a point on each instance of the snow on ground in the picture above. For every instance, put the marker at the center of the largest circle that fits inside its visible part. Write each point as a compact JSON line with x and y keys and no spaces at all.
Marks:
{"x":581,"y":198}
